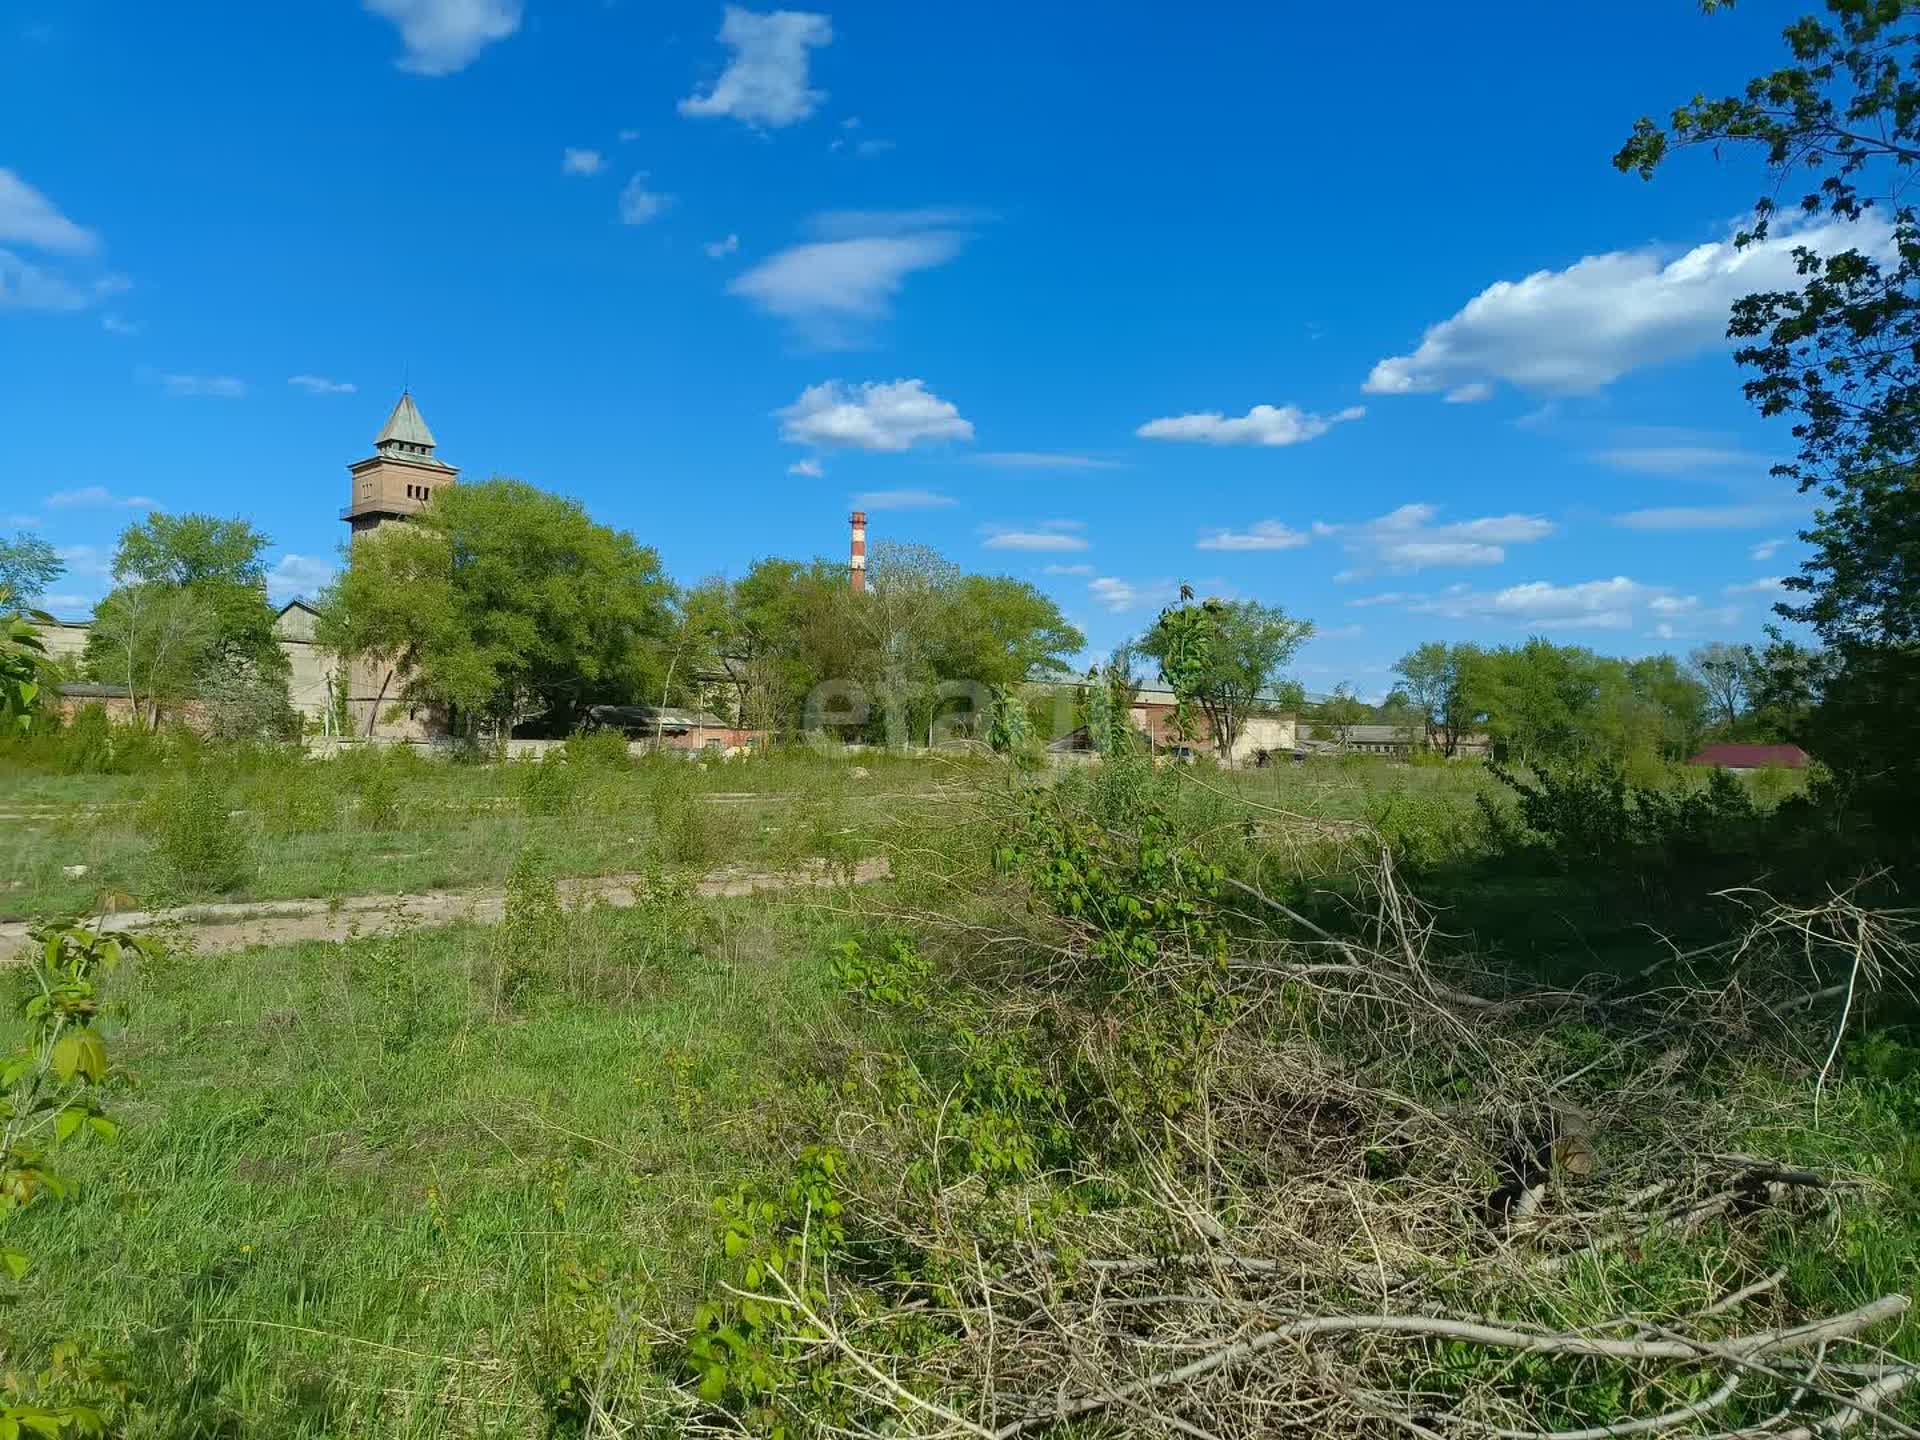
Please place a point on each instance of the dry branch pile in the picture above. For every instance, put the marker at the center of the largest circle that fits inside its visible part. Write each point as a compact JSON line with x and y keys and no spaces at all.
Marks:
{"x":1166,"y":1157}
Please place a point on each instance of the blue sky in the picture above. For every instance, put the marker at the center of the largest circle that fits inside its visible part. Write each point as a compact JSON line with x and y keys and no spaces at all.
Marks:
{"x":1344,"y":311}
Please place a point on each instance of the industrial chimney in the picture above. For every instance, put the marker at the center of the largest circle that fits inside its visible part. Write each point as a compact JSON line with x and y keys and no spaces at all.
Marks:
{"x":857,"y":561}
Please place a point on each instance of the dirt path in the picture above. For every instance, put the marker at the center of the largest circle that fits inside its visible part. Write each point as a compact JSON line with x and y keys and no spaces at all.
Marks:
{"x":234,"y":926}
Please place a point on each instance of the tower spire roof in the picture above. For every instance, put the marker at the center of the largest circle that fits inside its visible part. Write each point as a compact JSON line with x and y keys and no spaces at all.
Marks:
{"x":405,"y":430}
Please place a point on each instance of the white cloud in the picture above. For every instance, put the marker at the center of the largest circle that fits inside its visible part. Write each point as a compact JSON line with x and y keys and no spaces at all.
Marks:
{"x":1771,"y":585}
{"x":638,"y":204}
{"x":320,"y":385}
{"x":1617,"y":603}
{"x":1067,"y":570}
{"x":581,"y":162}
{"x":720,"y":249}
{"x":1679,"y":459}
{"x":26,"y":286}
{"x":1119,"y":596}
{"x":1700,"y":517}
{"x":1261,"y":535}
{"x":878,"y":415}
{"x":833,"y":292}
{"x":67,"y":606}
{"x":118,"y":325}
{"x":1262,"y":425}
{"x":28,"y":218}
{"x":1413,"y":538}
{"x":297,"y":575}
{"x":1041,"y":460}
{"x":808,"y":469}
{"x":765,"y":83}
{"x":1765,"y":550}
{"x":97,"y":497}
{"x":443,"y":36}
{"x":1048,"y":535}
{"x":223,"y":387}
{"x":902,"y":500}
{"x":1471,"y":393}
{"x":1581,"y":328}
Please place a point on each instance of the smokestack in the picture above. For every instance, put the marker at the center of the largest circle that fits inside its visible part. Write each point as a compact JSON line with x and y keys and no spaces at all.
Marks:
{"x":857,"y":561}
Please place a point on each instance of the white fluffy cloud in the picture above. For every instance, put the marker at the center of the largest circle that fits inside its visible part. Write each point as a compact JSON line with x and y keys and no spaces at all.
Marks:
{"x":720,"y":249}
{"x":321,"y":385}
{"x":581,"y":162}
{"x":878,"y":415}
{"x":1680,"y":459}
{"x":638,"y":204}
{"x":807,"y":469}
{"x":98,"y":497}
{"x":1581,"y":328}
{"x":1617,"y":603}
{"x":443,"y":36}
{"x":833,"y":292}
{"x":1765,"y":550}
{"x":28,"y":218}
{"x":902,"y":500}
{"x":1076,"y":569}
{"x":1262,"y":425}
{"x":1414,"y":538}
{"x":297,"y":575}
{"x":1261,"y":535}
{"x":1048,"y":535}
{"x":765,"y":83}
{"x":1701,"y":517}
{"x":1770,"y":585}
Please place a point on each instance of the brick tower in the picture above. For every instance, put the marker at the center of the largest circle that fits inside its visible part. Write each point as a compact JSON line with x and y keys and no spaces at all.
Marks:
{"x":399,"y":478}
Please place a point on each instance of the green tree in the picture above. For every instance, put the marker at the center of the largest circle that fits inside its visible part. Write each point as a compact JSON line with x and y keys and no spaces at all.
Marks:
{"x":1437,"y":682}
{"x":1335,"y":717}
{"x":1222,"y":656}
{"x":221,"y":562}
{"x":28,"y":565}
{"x":1840,"y":353}
{"x":501,"y":603}
{"x":159,"y":640}
{"x":1724,"y":670}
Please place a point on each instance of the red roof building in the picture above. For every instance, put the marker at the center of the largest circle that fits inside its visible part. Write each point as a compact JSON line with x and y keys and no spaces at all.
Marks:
{"x":1752,"y":757}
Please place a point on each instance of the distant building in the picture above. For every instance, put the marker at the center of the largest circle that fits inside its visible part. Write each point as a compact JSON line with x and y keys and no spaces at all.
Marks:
{"x":1731,"y":756}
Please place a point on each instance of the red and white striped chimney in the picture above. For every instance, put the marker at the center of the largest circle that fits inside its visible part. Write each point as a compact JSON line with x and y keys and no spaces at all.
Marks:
{"x":857,"y":561}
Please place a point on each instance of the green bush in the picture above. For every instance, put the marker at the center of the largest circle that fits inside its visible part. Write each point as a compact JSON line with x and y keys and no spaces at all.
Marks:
{"x":86,"y":743}
{"x":549,"y":785}
{"x":598,"y":750}
{"x":196,"y":835}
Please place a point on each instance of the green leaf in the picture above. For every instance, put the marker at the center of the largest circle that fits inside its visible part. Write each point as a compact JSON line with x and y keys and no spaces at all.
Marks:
{"x":15,"y":1263}
{"x":67,"y":1122}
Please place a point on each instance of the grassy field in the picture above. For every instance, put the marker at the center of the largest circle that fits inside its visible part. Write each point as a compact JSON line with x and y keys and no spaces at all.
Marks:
{"x":298,"y":829}
{"x":463,"y":1181}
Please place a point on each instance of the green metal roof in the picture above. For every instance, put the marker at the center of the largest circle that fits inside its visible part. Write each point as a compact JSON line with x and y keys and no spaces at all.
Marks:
{"x":404,"y":426}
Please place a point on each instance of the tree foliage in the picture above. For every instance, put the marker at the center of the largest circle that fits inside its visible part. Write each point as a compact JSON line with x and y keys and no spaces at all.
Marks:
{"x":189,"y":603}
{"x":1839,"y":122}
{"x":28,"y":565}
{"x":1221,"y":657}
{"x":500,"y":603}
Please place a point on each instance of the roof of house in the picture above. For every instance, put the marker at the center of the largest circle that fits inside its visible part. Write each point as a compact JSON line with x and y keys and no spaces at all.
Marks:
{"x":1733,"y":756}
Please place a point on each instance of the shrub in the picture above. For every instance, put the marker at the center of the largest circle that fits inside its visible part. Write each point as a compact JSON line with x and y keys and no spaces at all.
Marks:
{"x":547,"y":786}
{"x":531,"y":932}
{"x":598,"y":750}
{"x":86,"y":744}
{"x":195,"y":833}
